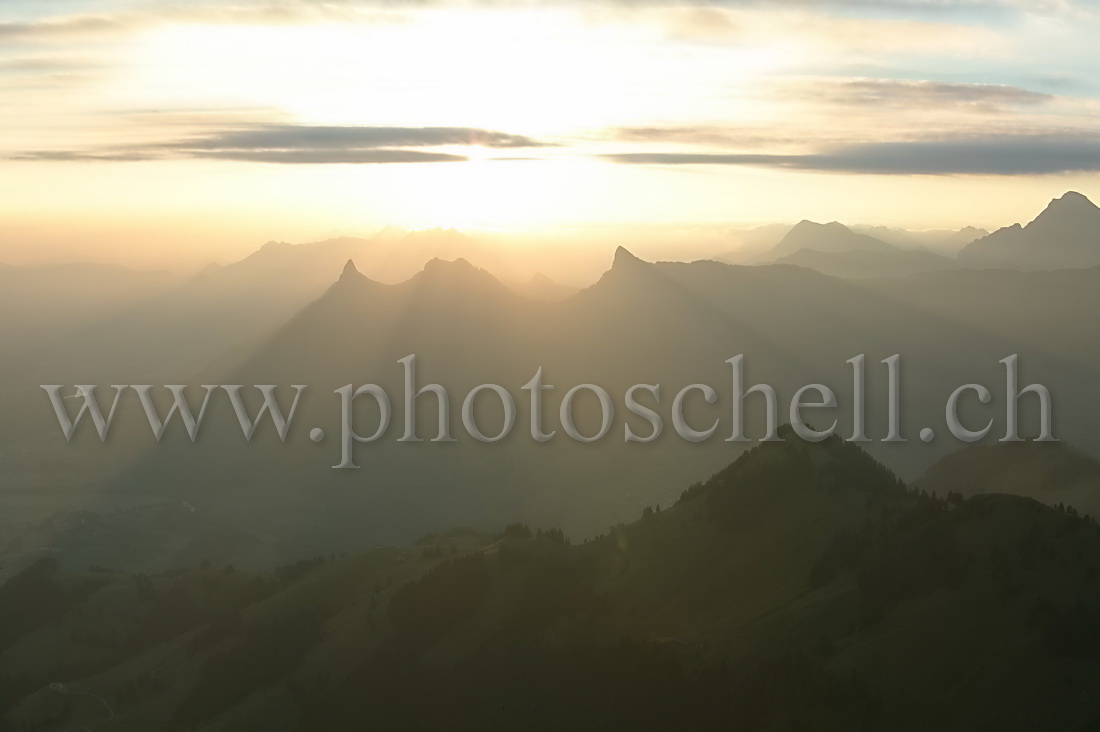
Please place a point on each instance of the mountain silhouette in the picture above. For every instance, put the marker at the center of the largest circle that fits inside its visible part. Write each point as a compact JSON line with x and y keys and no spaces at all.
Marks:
{"x":1065,"y":234}
{"x":832,"y":237}
{"x":668,"y":323}
{"x":836,"y":250}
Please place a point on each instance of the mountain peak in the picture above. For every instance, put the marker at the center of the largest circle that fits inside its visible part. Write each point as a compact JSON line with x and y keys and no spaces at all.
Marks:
{"x":351,"y":272}
{"x":1073,"y":209}
{"x":460,"y":272}
{"x":831,"y":237}
{"x":1065,"y":234}
{"x":439,"y":265}
{"x":1072,"y":199}
{"x":457,"y":280}
{"x":273,"y":249}
{"x":624,"y":258}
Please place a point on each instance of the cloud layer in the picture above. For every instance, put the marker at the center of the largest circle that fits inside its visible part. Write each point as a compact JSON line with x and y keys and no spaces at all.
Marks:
{"x":306,"y":144}
{"x":1039,"y":154}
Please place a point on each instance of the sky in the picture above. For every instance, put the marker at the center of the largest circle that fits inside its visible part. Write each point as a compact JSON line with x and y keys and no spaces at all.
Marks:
{"x":156,"y":133}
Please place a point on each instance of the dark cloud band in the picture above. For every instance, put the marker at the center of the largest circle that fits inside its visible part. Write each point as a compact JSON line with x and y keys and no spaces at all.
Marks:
{"x":298,"y":137}
{"x":1007,"y":155}
{"x":300,"y":144}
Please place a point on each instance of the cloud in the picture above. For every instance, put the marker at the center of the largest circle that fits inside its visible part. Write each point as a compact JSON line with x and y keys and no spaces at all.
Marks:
{"x":37,"y":65}
{"x":711,"y":135}
{"x":1023,"y":154}
{"x":51,"y":74}
{"x":328,"y":157}
{"x":920,"y":94}
{"x":60,"y":29}
{"x":891,"y":6}
{"x":64,"y":27}
{"x":306,"y":144}
{"x":702,"y":20}
{"x":121,"y":156}
{"x":284,"y":137}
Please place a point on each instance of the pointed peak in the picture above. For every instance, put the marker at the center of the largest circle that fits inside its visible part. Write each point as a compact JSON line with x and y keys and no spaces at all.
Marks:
{"x":351,"y":272}
{"x":624,"y":258}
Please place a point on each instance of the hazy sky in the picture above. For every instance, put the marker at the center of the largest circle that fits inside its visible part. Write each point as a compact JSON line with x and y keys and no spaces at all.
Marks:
{"x":161,"y":131}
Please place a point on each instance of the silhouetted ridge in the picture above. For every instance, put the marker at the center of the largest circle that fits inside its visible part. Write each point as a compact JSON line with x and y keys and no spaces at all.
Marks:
{"x":457,"y":278}
{"x":459,"y":271}
{"x":1073,"y":199}
{"x":437,"y":265}
{"x":759,"y":481}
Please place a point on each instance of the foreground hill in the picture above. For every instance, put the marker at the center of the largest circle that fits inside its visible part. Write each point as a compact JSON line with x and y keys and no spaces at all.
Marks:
{"x":802,"y":587}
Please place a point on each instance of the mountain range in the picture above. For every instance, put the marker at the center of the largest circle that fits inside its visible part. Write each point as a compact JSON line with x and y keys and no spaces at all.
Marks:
{"x":222,"y":584}
{"x":1065,"y":235}
{"x":801,"y":587}
{"x":668,"y":323}
{"x":672,"y":324}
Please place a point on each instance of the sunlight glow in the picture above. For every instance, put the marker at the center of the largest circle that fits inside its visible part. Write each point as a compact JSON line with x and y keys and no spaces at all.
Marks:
{"x":534,"y":72}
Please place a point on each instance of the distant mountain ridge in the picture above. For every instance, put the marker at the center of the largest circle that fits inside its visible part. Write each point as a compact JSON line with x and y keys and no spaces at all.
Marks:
{"x":838,"y":251}
{"x":831,"y":237}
